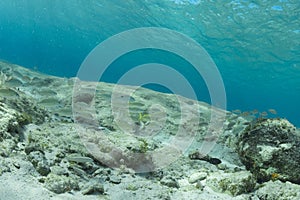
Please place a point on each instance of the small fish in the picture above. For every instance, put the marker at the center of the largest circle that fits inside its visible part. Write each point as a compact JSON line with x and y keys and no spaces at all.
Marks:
{"x":255,"y":111}
{"x":263,"y":114}
{"x":245,"y":114}
{"x":272,"y":111}
{"x":237,"y":111}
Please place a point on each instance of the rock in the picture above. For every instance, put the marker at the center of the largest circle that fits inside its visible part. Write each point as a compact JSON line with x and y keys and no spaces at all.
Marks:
{"x":198,"y":176}
{"x":42,"y":168}
{"x":115,"y":179}
{"x":7,"y":146}
{"x":30,"y":111}
{"x":269,"y":148}
{"x":222,"y":166}
{"x":60,"y":184}
{"x":58,"y":170}
{"x":169,"y":181}
{"x":199,"y":185}
{"x":102,"y":172}
{"x":8,"y":121}
{"x":32,"y":147}
{"x":39,"y":161}
{"x":278,"y":190}
{"x":232,"y":183}
{"x":93,"y":187}
{"x":4,"y":167}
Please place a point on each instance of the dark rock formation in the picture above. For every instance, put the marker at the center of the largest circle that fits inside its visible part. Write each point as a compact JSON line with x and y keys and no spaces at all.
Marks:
{"x":270,"y":149}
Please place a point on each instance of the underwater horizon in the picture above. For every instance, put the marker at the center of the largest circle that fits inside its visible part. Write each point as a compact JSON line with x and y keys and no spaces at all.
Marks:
{"x":254,"y":44}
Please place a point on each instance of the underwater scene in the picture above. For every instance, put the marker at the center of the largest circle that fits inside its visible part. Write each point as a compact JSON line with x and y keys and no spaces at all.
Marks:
{"x":150,"y":99}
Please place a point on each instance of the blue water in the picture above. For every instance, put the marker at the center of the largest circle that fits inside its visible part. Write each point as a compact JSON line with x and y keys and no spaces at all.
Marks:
{"x":255,"y":44}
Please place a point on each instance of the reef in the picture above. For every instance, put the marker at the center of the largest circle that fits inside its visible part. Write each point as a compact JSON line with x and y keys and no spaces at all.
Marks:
{"x":46,"y":145}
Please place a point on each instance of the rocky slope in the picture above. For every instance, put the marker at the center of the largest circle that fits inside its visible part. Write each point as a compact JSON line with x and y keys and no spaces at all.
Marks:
{"x":66,"y":139}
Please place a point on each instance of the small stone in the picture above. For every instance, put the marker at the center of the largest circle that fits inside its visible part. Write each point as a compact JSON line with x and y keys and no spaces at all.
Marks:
{"x":58,"y":170}
{"x":40,"y":163}
{"x":4,"y":167}
{"x":97,"y":172}
{"x":198,"y":176}
{"x":93,"y":188}
{"x":60,"y":184}
{"x":199,"y":185}
{"x":115,"y":179}
{"x":17,"y":165}
{"x":102,"y":171}
{"x":42,"y":168}
{"x":222,"y":166}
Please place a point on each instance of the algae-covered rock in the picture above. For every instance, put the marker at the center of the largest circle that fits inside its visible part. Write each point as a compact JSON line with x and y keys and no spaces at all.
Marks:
{"x":198,"y":176}
{"x":4,"y":167}
{"x":8,"y":119}
{"x":278,"y":190}
{"x":169,"y":181}
{"x":39,"y":162}
{"x":30,"y":111}
{"x":93,"y":187}
{"x":233,"y":183}
{"x":60,"y":184}
{"x":270,"y":149}
{"x":11,"y":125}
{"x":20,"y":100}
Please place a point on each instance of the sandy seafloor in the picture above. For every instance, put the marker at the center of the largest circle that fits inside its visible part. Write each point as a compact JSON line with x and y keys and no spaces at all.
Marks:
{"x":42,"y":152}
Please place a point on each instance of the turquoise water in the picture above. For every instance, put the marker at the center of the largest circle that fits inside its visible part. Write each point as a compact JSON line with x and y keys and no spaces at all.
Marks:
{"x":255,"y":44}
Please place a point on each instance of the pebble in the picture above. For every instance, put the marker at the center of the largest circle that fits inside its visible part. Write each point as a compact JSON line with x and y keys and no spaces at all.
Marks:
{"x":93,"y":188}
{"x":199,"y":185}
{"x":198,"y":176}
{"x":222,"y":166}
{"x":115,"y":179}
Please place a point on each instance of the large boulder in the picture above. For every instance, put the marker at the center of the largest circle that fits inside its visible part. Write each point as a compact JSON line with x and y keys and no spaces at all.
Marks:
{"x":270,"y":149}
